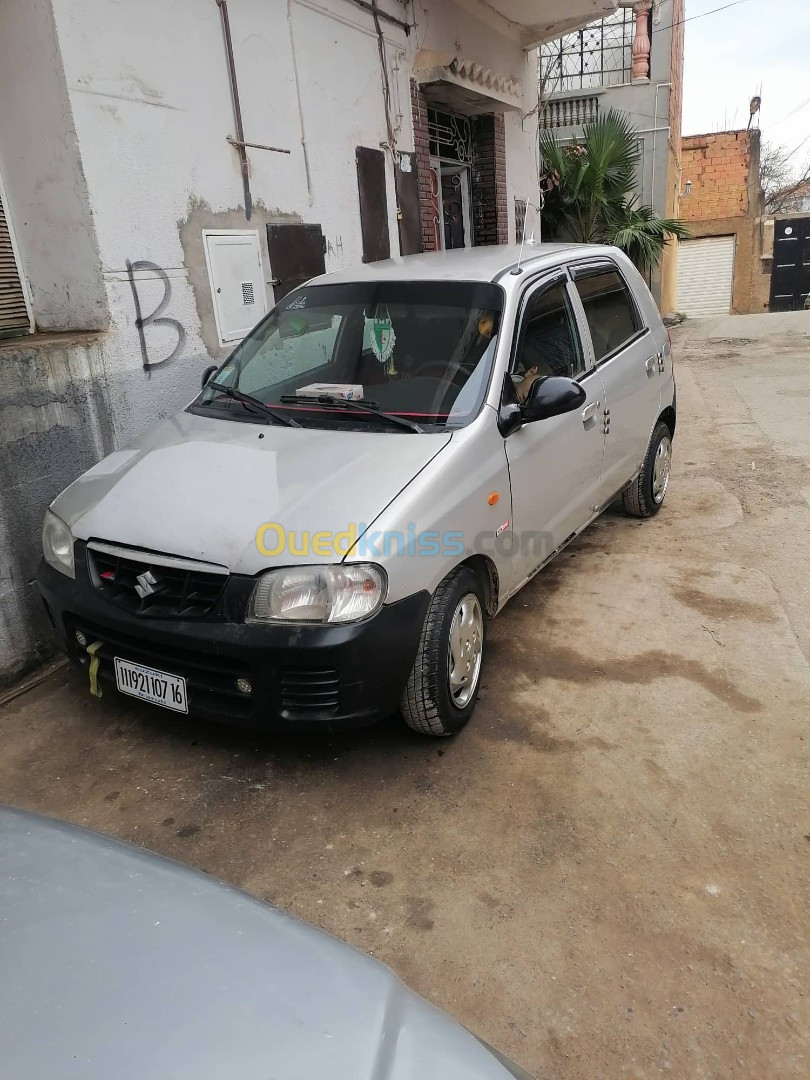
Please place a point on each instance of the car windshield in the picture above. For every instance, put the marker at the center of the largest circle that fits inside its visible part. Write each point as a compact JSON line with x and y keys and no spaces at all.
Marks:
{"x":419,"y":351}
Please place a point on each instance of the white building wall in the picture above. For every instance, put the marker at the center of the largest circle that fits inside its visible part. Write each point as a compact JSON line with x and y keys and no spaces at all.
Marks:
{"x":42,"y":173}
{"x":152,"y":105}
{"x":114,"y":155}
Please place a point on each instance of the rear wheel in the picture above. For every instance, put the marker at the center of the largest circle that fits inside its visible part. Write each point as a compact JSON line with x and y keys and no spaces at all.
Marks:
{"x":441,"y":692}
{"x":643,"y":498}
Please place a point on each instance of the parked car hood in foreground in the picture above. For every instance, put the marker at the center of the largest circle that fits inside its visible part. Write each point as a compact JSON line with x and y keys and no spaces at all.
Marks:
{"x":118,"y":963}
{"x":200,"y":488}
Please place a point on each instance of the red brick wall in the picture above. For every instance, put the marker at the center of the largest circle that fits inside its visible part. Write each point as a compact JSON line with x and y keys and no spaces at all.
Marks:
{"x":420,"y":139}
{"x":718,"y":166}
{"x":490,"y":222}
{"x":500,"y":178}
{"x":726,"y":200}
{"x":489,"y":212}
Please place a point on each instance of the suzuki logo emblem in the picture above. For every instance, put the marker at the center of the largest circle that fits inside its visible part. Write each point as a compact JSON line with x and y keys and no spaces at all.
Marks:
{"x":147,"y":583}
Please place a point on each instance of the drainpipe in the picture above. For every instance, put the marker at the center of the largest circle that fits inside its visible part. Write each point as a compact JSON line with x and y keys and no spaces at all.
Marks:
{"x":239,"y":142}
{"x":655,"y":130}
{"x":297,"y":82}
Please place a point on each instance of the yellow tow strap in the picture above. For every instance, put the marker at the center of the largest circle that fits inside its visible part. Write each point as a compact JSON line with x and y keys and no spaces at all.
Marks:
{"x":92,"y":652}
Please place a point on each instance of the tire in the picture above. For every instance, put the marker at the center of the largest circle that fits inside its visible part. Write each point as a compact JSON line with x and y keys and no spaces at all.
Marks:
{"x":645,"y":496}
{"x":430,"y":704}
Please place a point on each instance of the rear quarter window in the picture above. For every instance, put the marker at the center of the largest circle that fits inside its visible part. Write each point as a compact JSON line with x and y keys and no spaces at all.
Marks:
{"x":613,"y":318}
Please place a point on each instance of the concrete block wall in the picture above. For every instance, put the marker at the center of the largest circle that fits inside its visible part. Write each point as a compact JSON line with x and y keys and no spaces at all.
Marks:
{"x":55,"y":422}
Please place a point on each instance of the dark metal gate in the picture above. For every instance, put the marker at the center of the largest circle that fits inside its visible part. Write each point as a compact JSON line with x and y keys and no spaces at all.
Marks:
{"x":790,"y":276}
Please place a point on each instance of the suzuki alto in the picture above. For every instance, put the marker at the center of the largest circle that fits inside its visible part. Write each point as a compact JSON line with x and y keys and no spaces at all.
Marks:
{"x":320,"y":537}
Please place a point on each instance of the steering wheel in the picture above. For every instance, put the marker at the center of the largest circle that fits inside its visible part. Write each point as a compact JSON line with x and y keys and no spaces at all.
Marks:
{"x":437,"y":370}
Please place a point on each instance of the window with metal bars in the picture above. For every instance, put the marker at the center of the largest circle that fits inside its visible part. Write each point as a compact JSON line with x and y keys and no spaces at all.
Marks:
{"x":598,"y":55}
{"x":450,"y":137}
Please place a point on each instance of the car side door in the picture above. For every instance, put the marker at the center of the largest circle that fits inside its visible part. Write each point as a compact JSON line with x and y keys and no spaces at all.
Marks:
{"x":555,"y":464}
{"x":627,"y":359}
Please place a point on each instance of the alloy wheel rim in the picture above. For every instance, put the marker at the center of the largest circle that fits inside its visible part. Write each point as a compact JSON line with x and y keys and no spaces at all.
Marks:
{"x":662,"y":465}
{"x":465,"y":650}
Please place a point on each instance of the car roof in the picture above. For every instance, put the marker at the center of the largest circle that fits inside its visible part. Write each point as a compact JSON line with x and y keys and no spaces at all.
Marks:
{"x":461,"y":264}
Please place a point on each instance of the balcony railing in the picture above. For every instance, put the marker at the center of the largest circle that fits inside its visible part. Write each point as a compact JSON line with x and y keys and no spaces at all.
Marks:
{"x":570,"y":112}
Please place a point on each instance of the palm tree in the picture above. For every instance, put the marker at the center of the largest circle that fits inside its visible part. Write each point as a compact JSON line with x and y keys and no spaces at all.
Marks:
{"x":588,"y":187}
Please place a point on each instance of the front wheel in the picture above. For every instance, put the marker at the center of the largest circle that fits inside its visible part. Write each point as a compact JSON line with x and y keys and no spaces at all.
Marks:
{"x":440,"y":695}
{"x":643,"y":498}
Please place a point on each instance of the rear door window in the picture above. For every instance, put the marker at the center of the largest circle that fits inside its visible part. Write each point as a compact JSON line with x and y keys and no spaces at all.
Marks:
{"x":611,"y":312}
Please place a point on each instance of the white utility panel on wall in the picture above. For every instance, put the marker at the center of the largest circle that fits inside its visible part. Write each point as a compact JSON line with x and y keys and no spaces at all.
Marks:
{"x":234,"y":263}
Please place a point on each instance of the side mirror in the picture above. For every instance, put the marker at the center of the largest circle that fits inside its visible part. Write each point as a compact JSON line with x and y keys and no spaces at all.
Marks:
{"x":209,"y":371}
{"x":552,"y":396}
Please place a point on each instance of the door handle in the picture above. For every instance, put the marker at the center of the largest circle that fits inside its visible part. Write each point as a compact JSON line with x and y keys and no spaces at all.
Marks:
{"x":589,"y":411}
{"x":650,"y":365}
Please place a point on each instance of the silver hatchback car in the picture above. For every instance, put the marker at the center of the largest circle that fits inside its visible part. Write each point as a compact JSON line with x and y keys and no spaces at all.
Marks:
{"x":319,"y":538}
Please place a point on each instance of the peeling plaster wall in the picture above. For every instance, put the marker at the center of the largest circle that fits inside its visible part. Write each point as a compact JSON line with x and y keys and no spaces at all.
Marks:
{"x":149,"y":90}
{"x":201,"y":216}
{"x":54,"y":423}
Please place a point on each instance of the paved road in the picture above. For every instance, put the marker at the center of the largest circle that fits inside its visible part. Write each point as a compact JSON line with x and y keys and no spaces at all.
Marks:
{"x":606,"y":875}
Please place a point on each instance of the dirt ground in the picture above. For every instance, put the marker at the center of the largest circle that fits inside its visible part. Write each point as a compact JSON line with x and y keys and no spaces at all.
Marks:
{"x":606,"y":875}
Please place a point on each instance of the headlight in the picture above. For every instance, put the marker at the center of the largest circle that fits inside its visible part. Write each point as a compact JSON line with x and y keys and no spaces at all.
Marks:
{"x":318,"y":594}
{"x":57,"y":544}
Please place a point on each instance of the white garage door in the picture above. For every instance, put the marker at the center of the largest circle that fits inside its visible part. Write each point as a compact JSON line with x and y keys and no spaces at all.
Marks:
{"x":705,"y":276}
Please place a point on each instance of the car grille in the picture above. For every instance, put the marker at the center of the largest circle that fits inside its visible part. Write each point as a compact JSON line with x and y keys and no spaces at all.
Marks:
{"x":305,"y":692}
{"x":153,"y":586}
{"x":210,"y":679}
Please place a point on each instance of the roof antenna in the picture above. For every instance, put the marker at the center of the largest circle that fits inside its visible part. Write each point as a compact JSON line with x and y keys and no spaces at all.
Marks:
{"x":517,"y":269}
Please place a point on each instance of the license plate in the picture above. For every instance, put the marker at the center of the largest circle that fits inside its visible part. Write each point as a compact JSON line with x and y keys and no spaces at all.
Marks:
{"x":148,"y":684}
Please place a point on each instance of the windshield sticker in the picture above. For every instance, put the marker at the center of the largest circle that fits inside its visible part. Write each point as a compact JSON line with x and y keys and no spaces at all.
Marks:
{"x":383,"y":338}
{"x":298,"y":303}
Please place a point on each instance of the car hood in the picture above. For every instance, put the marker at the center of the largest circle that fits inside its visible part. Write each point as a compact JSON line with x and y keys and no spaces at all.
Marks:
{"x":118,"y":963}
{"x":199,"y":487}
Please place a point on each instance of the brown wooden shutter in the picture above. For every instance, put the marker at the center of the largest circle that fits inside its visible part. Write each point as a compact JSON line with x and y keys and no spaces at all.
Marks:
{"x":373,"y":204}
{"x":408,"y":209}
{"x":13,"y":311}
{"x":296,"y":255}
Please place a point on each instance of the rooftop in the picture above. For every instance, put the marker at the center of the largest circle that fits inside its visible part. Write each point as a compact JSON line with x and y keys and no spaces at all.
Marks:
{"x":460,"y":264}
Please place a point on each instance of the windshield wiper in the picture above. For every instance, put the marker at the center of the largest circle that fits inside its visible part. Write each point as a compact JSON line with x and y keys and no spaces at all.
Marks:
{"x":254,"y":403}
{"x":330,"y":401}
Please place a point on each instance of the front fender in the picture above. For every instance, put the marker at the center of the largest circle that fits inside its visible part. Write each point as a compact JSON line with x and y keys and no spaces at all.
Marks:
{"x":459,"y":505}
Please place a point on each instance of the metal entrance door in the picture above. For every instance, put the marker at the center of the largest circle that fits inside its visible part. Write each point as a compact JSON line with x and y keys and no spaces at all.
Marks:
{"x":450,"y":141}
{"x":450,"y":185}
{"x":790,"y":278}
{"x":705,"y":276}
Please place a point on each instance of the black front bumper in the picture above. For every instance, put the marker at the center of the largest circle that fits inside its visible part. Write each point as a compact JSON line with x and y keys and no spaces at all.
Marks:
{"x":302,"y":677}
